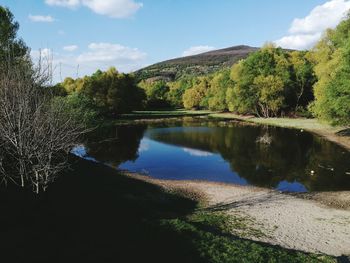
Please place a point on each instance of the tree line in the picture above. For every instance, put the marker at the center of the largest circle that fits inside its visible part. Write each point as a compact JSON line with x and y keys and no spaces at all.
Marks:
{"x":101,"y":95}
{"x":271,"y":82}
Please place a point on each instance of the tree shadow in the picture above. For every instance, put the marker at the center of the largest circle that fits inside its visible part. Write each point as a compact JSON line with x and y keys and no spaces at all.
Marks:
{"x":345,"y":132}
{"x":93,"y":214}
{"x":246,"y":201}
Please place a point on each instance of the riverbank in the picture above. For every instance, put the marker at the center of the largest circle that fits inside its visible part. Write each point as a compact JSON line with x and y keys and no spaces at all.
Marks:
{"x":294,"y":222}
{"x":339,"y":135}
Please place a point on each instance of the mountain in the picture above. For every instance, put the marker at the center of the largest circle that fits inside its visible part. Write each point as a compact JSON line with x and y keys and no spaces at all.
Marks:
{"x":201,"y":64}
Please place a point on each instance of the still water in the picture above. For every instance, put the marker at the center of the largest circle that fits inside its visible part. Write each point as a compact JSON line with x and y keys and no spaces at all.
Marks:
{"x":230,"y":152}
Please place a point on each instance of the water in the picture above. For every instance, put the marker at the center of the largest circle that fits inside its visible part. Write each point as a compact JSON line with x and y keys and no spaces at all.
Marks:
{"x":293,"y":161}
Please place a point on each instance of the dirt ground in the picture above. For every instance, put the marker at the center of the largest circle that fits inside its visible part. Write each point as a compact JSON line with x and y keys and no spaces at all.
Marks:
{"x":318,"y":223}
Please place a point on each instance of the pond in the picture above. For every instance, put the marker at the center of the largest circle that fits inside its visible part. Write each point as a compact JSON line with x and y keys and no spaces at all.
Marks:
{"x":231,"y":152}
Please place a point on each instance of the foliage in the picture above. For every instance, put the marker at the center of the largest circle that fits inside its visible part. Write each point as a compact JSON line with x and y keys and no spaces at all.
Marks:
{"x":332,"y":90}
{"x":304,"y":78}
{"x":10,"y":45}
{"x":270,"y":90}
{"x":271,"y":81}
{"x":219,"y":85}
{"x":156,"y":94}
{"x":177,"y":90}
{"x":112,"y":92}
{"x":106,"y":93}
{"x":193,"y":98}
{"x":79,"y":107}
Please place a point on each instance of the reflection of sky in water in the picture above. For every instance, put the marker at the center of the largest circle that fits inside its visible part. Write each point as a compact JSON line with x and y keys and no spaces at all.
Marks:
{"x":291,"y":187}
{"x":144,"y":146}
{"x":81,"y":152}
{"x":227,"y":155}
{"x":165,"y":161}
{"x":197,"y":153}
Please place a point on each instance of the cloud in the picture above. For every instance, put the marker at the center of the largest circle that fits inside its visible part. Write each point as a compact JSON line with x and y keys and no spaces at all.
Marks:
{"x":70,"y":48}
{"x":197,"y":50}
{"x":305,"y":32}
{"x":299,"y":42}
{"x":111,"y":53}
{"x":63,"y":3}
{"x":96,"y":56}
{"x":197,"y":153}
{"x":111,"y":8}
{"x":39,"y":18}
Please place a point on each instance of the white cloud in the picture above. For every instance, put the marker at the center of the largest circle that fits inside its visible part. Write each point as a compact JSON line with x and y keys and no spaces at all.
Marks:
{"x":70,"y":48}
{"x":197,"y":153}
{"x":299,"y":42}
{"x":111,"y":8}
{"x":111,"y":53}
{"x":197,"y":50}
{"x":305,"y":32}
{"x":97,"y":56}
{"x":40,"y":18}
{"x":63,"y":3}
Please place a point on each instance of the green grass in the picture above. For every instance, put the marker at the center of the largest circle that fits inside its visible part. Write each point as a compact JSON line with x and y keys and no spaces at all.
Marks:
{"x":210,"y":234}
{"x":162,"y":114}
{"x":299,"y":123}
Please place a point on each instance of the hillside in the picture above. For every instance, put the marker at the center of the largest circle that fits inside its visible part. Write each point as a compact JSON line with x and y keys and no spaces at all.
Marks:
{"x":195,"y":65}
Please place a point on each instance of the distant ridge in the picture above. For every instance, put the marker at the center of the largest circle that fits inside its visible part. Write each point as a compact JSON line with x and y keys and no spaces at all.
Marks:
{"x":200,"y":64}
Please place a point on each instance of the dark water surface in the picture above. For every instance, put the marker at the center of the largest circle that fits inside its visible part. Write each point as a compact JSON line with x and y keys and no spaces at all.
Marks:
{"x":230,"y":152}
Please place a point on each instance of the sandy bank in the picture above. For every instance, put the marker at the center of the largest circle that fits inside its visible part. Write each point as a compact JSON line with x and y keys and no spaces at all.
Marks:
{"x":306,"y":223}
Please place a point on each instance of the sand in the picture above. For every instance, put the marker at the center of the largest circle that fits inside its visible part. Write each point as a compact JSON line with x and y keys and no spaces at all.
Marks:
{"x":318,"y":223}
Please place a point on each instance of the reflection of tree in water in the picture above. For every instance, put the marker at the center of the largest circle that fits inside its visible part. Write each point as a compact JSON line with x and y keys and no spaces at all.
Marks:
{"x":290,"y":156}
{"x":115,"y":145}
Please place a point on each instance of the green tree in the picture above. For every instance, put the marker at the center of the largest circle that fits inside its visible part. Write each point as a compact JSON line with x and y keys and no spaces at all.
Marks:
{"x":271,"y":98}
{"x":177,"y":90}
{"x":332,"y":90}
{"x":157,"y":94}
{"x":250,"y":78}
{"x":304,"y":78}
{"x":112,"y":92}
{"x":193,"y":98}
{"x":80,"y":107}
{"x":12,"y":48}
{"x":217,"y":91}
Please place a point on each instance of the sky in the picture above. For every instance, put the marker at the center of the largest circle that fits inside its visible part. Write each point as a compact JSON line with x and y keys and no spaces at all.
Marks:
{"x":82,"y":36}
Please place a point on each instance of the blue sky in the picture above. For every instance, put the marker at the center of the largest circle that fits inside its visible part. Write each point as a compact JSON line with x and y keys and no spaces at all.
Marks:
{"x":129,"y":34}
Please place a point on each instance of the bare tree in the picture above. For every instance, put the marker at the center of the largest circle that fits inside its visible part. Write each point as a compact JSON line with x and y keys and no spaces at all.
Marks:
{"x":36,"y":134}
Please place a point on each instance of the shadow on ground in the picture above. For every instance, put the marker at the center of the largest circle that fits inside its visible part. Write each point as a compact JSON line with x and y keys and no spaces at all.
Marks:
{"x":345,"y":132}
{"x":94,"y":214}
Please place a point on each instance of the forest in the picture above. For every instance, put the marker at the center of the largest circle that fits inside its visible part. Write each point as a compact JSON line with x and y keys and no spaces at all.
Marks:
{"x":270,"y":82}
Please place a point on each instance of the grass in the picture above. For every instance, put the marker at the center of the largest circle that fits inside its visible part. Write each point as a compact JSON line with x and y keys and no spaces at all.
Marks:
{"x":163,"y":113}
{"x":340,"y":135}
{"x":299,"y":123}
{"x":95,"y":214}
{"x":210,"y":233}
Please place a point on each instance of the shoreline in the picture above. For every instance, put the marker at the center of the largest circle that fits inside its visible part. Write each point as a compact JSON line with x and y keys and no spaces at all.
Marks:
{"x":330,"y":199}
{"x":305,"y":222}
{"x":311,"y":125}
